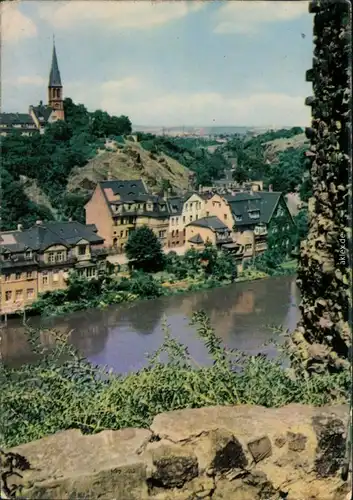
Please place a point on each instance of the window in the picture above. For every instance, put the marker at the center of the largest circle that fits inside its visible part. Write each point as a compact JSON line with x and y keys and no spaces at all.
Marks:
{"x":7,"y":256}
{"x":90,"y":272}
{"x":7,"y":277}
{"x":45,"y":279}
{"x":55,"y":277}
{"x":225,"y":216}
{"x":238,"y":218}
{"x":121,"y":234}
{"x":172,"y":221}
{"x":60,"y":256}
{"x":254,"y":214}
{"x":176,"y":220}
{"x":28,"y":255}
{"x":161,"y":234}
{"x":190,"y":218}
{"x":172,"y":234}
{"x":186,"y":207}
{"x":51,"y":257}
{"x":184,"y":218}
{"x":30,"y":293}
{"x":196,"y":216}
{"x":19,"y":294}
{"x":82,"y":250}
{"x":177,"y":232}
{"x":207,"y":214}
{"x":29,"y":274}
{"x":8,"y":295}
{"x":18,"y":276}
{"x":248,"y":247}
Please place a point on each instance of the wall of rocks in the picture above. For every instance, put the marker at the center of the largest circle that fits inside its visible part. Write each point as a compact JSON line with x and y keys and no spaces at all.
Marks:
{"x":220,"y":453}
{"x":323,"y":337}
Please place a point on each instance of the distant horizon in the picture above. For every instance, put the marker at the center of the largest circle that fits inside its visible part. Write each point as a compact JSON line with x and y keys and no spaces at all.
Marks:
{"x":180,"y":127}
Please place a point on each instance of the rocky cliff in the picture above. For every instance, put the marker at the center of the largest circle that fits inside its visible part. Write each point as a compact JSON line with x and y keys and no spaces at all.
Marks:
{"x":219,"y":453}
{"x":130,"y":161}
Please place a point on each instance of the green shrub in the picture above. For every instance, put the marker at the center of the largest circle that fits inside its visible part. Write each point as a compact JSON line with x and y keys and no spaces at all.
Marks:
{"x":63,"y":391}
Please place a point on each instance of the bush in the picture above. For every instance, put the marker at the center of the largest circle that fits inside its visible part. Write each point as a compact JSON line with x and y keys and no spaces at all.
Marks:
{"x":54,"y":395}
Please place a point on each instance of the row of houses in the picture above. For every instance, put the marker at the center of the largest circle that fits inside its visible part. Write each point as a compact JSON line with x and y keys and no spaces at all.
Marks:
{"x":236,"y":221}
{"x":40,"y":259}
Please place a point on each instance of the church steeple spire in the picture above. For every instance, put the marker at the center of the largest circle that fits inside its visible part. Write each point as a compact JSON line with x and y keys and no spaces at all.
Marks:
{"x":54,"y":77}
{"x":55,"y":88}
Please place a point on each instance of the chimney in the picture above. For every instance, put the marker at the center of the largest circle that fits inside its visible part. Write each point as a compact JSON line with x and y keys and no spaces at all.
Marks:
{"x":70,"y":219}
{"x":39,"y":222}
{"x":19,"y":227}
{"x":165,"y":195}
{"x":200,"y":188}
{"x":270,"y":188}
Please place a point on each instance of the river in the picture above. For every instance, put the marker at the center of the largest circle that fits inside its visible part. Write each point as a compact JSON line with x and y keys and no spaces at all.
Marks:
{"x":119,"y":337}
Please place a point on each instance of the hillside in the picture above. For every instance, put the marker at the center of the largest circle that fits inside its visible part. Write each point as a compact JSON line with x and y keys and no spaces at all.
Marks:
{"x":130,"y":161}
{"x":272,"y":148}
{"x":35,"y":194}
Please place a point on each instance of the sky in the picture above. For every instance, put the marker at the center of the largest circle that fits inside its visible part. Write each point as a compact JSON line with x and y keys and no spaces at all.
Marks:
{"x":194,"y":63}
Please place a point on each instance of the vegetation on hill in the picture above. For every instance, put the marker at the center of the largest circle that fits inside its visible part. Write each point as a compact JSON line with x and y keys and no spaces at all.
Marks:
{"x":48,"y":159}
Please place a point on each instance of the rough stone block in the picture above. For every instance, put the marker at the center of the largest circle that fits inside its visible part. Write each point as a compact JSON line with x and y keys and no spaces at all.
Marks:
{"x":260,"y":448}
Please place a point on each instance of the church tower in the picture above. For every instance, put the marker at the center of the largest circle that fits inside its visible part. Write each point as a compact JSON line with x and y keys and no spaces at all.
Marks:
{"x":55,"y":89}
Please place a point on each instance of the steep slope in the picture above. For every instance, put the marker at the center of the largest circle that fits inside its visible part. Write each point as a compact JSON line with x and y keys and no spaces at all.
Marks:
{"x":130,"y":161}
{"x":272,"y":148}
{"x":35,"y":194}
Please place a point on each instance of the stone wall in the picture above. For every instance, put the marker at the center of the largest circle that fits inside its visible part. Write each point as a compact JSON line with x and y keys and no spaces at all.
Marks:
{"x":322,"y":340}
{"x":220,"y":453}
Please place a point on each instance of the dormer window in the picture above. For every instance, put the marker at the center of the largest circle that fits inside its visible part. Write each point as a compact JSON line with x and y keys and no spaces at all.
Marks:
{"x":7,"y":256}
{"x":238,"y":218}
{"x":28,"y":254}
{"x":254,"y":214}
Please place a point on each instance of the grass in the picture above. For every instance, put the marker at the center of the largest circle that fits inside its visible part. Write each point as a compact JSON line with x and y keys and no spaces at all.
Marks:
{"x":54,"y":395}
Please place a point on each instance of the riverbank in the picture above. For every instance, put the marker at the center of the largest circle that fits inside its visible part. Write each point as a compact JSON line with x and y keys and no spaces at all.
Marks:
{"x":129,"y":287}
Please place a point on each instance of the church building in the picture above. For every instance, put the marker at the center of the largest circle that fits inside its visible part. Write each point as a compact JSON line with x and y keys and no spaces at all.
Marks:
{"x":38,"y":116}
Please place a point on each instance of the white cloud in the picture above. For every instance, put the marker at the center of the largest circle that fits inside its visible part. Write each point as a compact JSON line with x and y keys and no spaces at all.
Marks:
{"x":129,"y":83}
{"x":117,"y":14}
{"x":14,"y":24}
{"x":31,"y":80}
{"x":204,"y":108}
{"x":247,"y":17}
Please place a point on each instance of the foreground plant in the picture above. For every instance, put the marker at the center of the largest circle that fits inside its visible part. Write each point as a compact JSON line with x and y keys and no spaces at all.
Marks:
{"x":64,"y":391}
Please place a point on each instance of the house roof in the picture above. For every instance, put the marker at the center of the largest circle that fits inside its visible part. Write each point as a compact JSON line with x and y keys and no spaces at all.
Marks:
{"x":243,"y":203}
{"x":54,"y":77}
{"x":11,"y":119}
{"x":125,"y":188}
{"x":175,"y":205}
{"x":196,"y":239}
{"x":211,"y":222}
{"x":44,"y":235}
{"x":42,"y":112}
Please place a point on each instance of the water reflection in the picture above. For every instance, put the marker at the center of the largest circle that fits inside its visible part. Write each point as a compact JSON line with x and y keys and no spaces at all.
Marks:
{"x":120,"y":336}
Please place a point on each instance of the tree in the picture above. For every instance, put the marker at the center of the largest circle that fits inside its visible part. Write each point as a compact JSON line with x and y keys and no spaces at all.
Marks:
{"x":144,"y":250}
{"x":322,"y":339}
